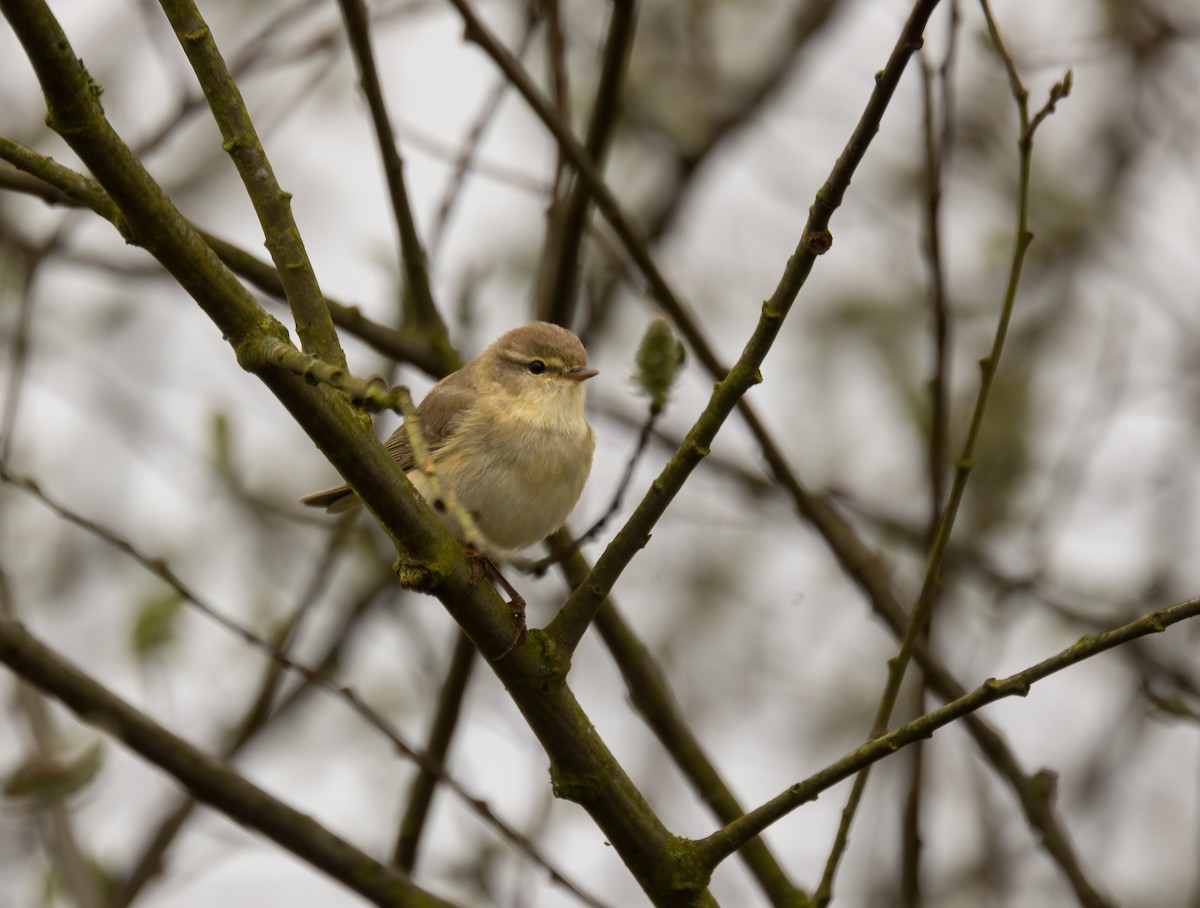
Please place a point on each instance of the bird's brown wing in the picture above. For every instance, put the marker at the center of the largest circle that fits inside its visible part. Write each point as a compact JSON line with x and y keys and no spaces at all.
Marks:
{"x":440,"y":414}
{"x":450,"y":401}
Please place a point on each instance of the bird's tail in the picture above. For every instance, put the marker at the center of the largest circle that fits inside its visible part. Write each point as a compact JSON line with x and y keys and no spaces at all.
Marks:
{"x":334,"y":501}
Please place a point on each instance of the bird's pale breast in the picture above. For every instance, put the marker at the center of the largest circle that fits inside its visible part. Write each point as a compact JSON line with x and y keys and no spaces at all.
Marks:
{"x":519,"y":482}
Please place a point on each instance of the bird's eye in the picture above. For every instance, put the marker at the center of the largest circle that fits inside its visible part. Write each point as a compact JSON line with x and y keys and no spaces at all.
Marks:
{"x":537,"y":367}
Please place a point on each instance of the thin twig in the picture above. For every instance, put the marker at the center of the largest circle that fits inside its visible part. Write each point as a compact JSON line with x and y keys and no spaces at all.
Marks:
{"x":370,"y":394}
{"x":570,"y":624}
{"x":445,"y":720}
{"x":256,"y":717}
{"x":465,"y":159}
{"x":163,"y":571}
{"x":426,"y":320}
{"x":897,"y":667}
{"x":725,"y":841}
{"x":555,"y":301}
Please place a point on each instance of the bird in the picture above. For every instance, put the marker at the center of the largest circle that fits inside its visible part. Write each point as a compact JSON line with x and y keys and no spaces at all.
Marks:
{"x":508,"y":440}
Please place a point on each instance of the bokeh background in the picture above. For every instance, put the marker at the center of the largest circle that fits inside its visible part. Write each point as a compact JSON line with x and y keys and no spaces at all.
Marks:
{"x":123,"y":403}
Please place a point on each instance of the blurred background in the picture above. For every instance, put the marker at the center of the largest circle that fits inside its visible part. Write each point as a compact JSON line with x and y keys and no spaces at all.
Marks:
{"x":123,"y":403}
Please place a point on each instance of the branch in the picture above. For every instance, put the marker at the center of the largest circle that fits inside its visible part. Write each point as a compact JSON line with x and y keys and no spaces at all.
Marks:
{"x":898,"y":666}
{"x":725,"y":841}
{"x":651,"y":696}
{"x":571,"y":623}
{"x":271,"y":203}
{"x":556,"y":301}
{"x":427,"y":321}
{"x":62,"y":186}
{"x":421,"y":791}
{"x":582,"y":767}
{"x":275,"y":653}
{"x":210,"y":780}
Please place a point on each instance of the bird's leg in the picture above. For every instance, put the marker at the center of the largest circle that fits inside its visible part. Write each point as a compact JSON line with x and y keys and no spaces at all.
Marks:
{"x":478,"y":563}
{"x":483,"y":566}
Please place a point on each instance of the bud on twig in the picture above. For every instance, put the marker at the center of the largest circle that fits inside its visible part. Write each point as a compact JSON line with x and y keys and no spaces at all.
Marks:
{"x":658,"y":360}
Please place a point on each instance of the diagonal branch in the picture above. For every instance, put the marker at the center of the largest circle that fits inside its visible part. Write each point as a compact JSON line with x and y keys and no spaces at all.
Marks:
{"x":898,"y":666}
{"x":427,"y":321}
{"x":569,"y":626}
{"x":556,"y":302}
{"x":725,"y":841}
{"x":44,"y":177}
{"x":271,"y":203}
{"x":209,"y":779}
{"x":650,"y":695}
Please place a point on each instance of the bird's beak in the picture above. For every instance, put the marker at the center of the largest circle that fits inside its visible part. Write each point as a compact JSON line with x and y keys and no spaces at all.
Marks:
{"x":580,"y":373}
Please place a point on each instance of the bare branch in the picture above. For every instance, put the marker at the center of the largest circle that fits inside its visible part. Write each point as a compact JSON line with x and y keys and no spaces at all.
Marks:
{"x":725,"y":841}
{"x":210,"y":780}
{"x":571,"y":623}
{"x":427,"y":321}
{"x":272,"y":204}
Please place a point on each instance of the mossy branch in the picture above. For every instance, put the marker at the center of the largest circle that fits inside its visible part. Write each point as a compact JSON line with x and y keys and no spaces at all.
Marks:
{"x":576,"y":751}
{"x":371,"y":394}
{"x":650,"y":694}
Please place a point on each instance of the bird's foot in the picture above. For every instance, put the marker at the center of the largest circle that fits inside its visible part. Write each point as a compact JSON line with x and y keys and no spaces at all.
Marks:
{"x":517,"y":608}
{"x":482,"y":566}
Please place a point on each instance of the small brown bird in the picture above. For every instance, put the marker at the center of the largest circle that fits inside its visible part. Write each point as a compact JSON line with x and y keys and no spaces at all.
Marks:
{"x":507,"y":436}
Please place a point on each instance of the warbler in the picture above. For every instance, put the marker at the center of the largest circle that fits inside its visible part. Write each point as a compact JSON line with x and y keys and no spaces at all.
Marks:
{"x":508,"y":439}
